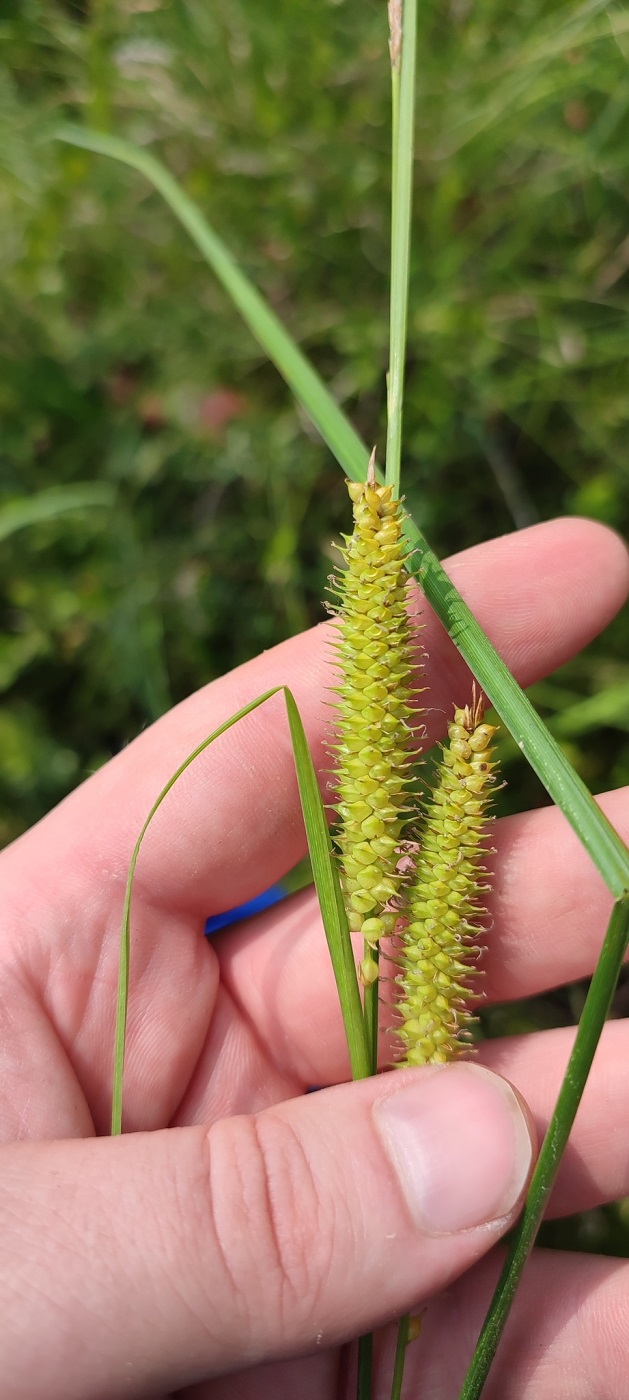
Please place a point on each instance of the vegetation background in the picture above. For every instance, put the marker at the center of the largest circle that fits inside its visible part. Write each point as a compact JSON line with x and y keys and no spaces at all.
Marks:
{"x":207,"y":534}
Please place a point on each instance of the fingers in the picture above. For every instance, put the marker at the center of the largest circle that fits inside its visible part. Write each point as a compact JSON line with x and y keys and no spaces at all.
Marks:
{"x":232,"y":823}
{"x":595,"y":1165}
{"x":40,"y":1095}
{"x":316,"y":1377}
{"x":548,"y":910}
{"x":184,"y":1254}
{"x":549,"y":905}
{"x":568,"y":1334}
{"x":302,"y":1035}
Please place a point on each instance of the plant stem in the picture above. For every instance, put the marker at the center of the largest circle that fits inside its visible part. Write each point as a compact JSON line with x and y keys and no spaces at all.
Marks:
{"x":365,"y":1367}
{"x":372,"y":1013}
{"x":596,"y":1007}
{"x":400,"y":1356}
{"x":403,"y":22}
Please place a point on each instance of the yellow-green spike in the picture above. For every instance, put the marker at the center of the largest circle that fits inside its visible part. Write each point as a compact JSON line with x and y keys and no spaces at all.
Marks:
{"x":437,"y":949}
{"x":373,"y":737}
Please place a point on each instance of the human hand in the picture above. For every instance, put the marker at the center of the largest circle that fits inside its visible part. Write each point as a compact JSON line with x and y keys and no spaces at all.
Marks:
{"x":241,"y":1226}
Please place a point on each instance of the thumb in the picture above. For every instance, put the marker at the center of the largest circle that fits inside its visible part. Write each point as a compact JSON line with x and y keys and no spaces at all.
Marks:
{"x":146,"y":1262}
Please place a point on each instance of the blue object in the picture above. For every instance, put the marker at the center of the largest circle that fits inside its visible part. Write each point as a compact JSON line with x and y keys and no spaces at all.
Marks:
{"x":266,"y":900}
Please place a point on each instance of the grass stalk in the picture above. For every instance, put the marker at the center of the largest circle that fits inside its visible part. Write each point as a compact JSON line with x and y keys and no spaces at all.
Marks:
{"x":364,"y":1379}
{"x":403,"y":1330}
{"x":403,"y":47}
{"x":595,"y":1011}
{"x":372,"y":1011}
{"x":403,"y":43}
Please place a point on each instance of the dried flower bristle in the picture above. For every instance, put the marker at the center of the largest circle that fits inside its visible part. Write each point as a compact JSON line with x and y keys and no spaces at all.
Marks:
{"x":436,"y":949}
{"x":395,"y":33}
{"x":372,"y":733}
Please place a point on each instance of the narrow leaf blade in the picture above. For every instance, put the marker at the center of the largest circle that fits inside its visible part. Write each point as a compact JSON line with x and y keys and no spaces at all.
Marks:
{"x":326,"y":881}
{"x":24,"y":511}
{"x":328,"y":888}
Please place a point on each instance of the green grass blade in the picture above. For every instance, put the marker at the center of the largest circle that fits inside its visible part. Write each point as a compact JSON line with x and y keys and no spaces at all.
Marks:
{"x":47,"y":505}
{"x":308,"y":388}
{"x":600,"y":840}
{"x":325,"y":872}
{"x":403,"y":107}
{"x":125,"y":932}
{"x":590,"y":1026}
{"x":326,"y":882}
{"x":608,"y":707}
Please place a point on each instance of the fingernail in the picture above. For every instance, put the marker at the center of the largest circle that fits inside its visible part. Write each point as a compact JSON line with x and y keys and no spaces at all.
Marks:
{"x":460,"y":1146}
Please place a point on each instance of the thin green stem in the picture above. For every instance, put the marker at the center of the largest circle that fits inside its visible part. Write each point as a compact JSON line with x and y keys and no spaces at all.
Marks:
{"x":372,"y":1012}
{"x":327,"y":884}
{"x":400,"y":1356}
{"x":403,"y":116}
{"x":122,"y":996}
{"x":588,"y":1034}
{"x":364,"y":1379}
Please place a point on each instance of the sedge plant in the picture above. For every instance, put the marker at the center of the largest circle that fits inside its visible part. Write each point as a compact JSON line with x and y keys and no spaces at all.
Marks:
{"x":433,"y":907}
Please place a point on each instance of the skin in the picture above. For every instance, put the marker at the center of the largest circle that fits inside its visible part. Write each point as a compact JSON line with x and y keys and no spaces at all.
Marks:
{"x":226,"y":1246}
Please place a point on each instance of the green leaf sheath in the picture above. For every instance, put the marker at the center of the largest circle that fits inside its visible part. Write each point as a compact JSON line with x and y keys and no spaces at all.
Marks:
{"x":436,"y":947}
{"x":373,"y":736}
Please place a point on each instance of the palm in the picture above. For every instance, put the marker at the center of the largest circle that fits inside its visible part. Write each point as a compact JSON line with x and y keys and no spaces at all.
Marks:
{"x":253,"y":1019}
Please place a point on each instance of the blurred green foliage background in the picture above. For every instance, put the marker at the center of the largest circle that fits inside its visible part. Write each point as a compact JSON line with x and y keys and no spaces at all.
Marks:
{"x":165,"y":512}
